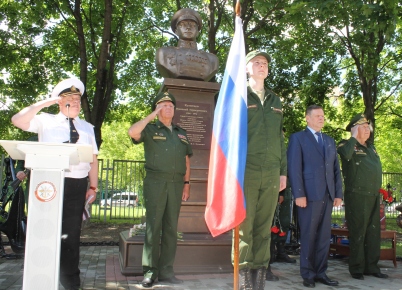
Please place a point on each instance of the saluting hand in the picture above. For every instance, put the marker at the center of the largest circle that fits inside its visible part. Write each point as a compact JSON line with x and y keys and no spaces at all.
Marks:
{"x":355,"y":131}
{"x":135,"y":130}
{"x":157,"y":109}
{"x":52,"y":101}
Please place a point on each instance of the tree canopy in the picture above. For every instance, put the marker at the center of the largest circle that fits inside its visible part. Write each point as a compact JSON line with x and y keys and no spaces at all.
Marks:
{"x":343,"y":55}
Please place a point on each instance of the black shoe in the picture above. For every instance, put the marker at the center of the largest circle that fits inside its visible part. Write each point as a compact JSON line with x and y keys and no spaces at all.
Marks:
{"x":325,"y":280}
{"x":281,"y":255}
{"x":358,"y":276}
{"x":147,"y":282}
{"x":171,"y":280}
{"x":285,"y":259}
{"x":308,"y":283}
{"x":378,"y":275}
{"x":269,"y":276}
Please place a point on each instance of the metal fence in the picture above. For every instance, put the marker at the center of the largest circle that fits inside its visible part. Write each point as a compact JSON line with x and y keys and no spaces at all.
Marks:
{"x":391,"y":181}
{"x":121,"y":191}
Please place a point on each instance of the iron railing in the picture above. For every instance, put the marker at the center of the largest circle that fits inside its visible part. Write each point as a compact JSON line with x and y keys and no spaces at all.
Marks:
{"x":121,"y":190}
{"x":119,"y":179}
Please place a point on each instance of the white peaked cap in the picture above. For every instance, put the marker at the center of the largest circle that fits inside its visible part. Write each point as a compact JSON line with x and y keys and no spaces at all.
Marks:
{"x":67,"y":84}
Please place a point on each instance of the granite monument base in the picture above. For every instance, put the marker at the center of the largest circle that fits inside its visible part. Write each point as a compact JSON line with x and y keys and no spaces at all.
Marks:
{"x":196,"y":254}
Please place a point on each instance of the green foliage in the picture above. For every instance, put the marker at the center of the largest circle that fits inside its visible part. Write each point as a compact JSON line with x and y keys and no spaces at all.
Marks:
{"x":388,"y":143}
{"x":343,"y":55}
{"x":117,"y":144}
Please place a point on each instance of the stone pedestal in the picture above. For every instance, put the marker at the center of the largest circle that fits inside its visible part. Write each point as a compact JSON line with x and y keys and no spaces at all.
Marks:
{"x":195,"y":105}
{"x":196,"y":254}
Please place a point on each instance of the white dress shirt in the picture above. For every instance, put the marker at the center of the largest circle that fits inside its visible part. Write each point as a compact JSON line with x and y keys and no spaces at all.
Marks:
{"x":56,"y":129}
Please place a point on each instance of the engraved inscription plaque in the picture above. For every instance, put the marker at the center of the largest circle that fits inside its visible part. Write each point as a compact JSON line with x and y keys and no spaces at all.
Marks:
{"x":195,"y":119}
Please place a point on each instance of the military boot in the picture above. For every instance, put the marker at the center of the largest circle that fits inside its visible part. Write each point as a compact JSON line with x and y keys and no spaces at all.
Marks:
{"x":245,"y":282}
{"x":281,"y":255}
{"x":269,"y":276}
{"x":259,"y":278}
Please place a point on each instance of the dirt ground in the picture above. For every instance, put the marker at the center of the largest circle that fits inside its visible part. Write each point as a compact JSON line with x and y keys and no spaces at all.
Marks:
{"x":96,"y":232}
{"x":102,"y":232}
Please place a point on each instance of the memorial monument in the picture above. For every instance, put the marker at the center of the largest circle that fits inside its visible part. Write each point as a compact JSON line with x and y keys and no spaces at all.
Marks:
{"x":187,"y":72}
{"x":185,"y":61}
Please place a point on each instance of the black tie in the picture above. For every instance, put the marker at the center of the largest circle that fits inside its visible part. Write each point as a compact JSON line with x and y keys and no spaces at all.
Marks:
{"x":320,"y":143}
{"x":74,"y":136}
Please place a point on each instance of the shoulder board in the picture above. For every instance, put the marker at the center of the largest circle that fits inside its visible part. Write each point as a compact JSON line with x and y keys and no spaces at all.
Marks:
{"x":180,"y":128}
{"x":343,"y":142}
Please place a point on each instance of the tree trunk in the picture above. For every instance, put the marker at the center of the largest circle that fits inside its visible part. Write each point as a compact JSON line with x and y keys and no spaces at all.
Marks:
{"x":104,"y":75}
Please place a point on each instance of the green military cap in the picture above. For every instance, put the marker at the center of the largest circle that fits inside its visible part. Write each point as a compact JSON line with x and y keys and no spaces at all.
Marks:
{"x":255,"y":53}
{"x":161,"y":97}
{"x":357,"y":120}
{"x":186,"y":14}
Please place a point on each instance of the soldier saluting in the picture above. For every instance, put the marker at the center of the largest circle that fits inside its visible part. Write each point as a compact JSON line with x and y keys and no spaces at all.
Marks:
{"x":362,"y":174}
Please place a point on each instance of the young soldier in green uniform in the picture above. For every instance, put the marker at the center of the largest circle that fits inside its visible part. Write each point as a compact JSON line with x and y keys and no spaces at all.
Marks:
{"x":362,"y":174}
{"x":265,"y":175}
{"x":167,"y":183}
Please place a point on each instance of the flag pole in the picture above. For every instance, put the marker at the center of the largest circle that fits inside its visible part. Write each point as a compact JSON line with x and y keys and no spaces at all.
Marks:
{"x":236,"y":230}
{"x":236,"y":259}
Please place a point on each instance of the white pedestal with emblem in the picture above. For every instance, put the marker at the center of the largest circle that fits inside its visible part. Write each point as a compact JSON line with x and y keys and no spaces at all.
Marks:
{"x":47,"y":162}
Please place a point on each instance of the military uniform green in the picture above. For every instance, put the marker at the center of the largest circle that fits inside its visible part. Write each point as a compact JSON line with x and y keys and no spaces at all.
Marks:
{"x":266,"y":161}
{"x":362,"y":174}
{"x":165,"y":165}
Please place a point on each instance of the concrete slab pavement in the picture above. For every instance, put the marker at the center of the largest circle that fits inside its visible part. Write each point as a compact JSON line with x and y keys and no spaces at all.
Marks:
{"x":100,"y":270}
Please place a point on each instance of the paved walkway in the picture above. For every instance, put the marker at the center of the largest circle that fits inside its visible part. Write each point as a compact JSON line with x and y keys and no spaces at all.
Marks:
{"x":100,"y":270}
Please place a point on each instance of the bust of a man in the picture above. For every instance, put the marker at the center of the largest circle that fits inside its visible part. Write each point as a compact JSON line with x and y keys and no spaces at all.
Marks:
{"x":185,"y":61}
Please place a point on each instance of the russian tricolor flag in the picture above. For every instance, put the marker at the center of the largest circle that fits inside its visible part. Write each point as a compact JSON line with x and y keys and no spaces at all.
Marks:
{"x":225,"y":198}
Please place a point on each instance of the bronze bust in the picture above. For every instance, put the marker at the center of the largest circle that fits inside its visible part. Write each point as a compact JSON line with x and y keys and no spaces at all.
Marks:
{"x":185,"y":61}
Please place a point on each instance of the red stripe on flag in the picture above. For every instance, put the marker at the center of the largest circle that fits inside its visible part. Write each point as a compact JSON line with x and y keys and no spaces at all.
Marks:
{"x":225,"y":202}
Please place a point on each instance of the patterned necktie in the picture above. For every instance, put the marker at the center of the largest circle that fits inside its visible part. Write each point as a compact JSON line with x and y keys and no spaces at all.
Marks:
{"x":320,"y":142}
{"x":74,"y":136}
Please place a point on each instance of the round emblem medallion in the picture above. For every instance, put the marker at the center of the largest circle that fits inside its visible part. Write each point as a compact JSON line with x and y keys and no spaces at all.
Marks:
{"x":45,"y":191}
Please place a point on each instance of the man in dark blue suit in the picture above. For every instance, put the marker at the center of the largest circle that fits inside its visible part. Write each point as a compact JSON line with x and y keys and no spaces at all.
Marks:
{"x":315,"y":178}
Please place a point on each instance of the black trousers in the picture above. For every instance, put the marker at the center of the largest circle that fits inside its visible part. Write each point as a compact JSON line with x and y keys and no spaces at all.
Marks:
{"x":73,"y":207}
